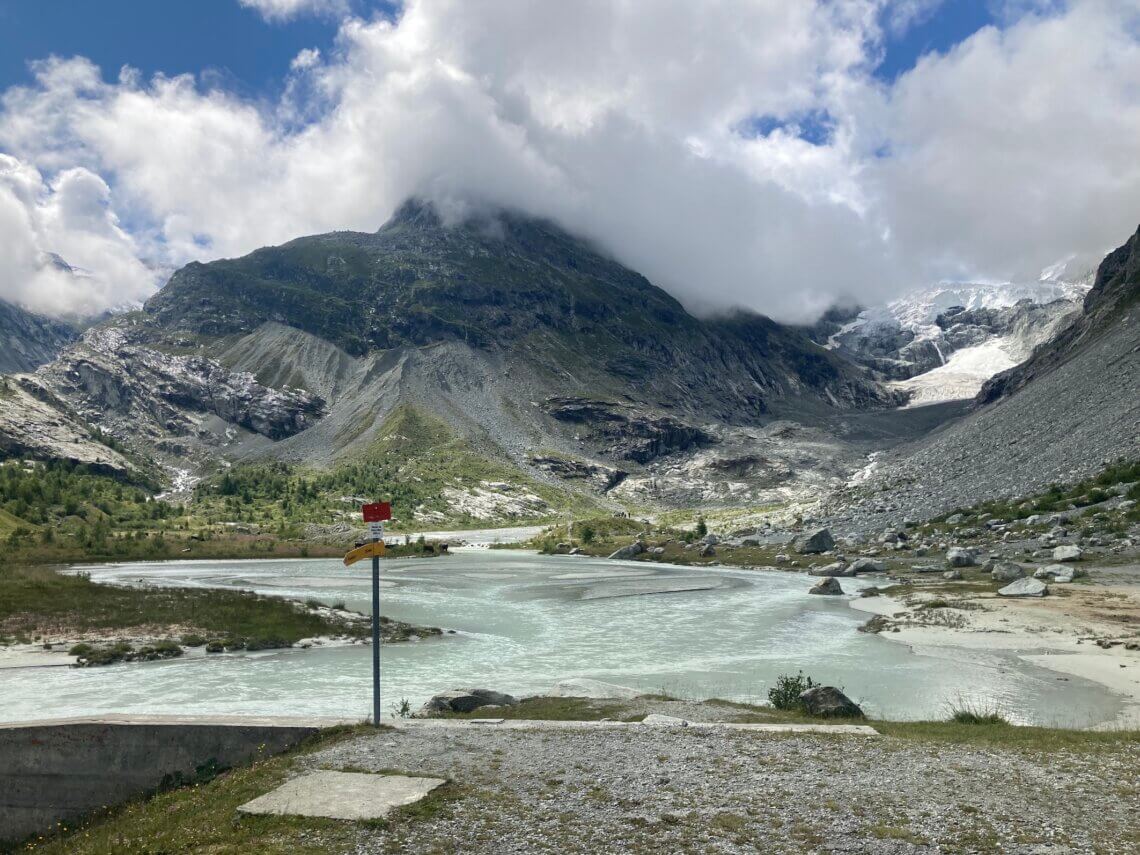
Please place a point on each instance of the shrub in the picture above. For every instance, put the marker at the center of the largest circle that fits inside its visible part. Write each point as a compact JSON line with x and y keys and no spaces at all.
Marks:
{"x":785,"y":695}
{"x":215,"y":646}
{"x":193,"y":640}
{"x":81,"y":649}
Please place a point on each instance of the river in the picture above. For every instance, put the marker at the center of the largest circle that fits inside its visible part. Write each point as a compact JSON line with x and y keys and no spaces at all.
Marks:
{"x":525,"y":621}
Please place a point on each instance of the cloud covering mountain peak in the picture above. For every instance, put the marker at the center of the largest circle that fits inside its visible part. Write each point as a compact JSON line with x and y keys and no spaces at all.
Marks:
{"x":736,"y":153}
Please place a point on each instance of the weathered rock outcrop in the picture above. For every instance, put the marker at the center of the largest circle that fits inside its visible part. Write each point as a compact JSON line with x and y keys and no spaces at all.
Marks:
{"x":815,"y":542}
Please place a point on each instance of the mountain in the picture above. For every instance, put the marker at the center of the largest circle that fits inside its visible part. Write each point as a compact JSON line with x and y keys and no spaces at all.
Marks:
{"x":527,"y":346}
{"x":944,"y":342}
{"x":1073,"y":406}
{"x":28,"y":340}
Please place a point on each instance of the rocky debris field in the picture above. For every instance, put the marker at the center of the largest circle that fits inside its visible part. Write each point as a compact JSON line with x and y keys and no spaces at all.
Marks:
{"x":677,"y":789}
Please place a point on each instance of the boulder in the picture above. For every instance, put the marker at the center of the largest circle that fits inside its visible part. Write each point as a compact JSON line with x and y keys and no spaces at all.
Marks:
{"x":816,"y":542}
{"x":836,"y":569}
{"x":1067,"y":552}
{"x":829,"y":702}
{"x":627,"y":552}
{"x":868,"y":565}
{"x":956,"y":556}
{"x":829,"y":586}
{"x":1006,"y":571}
{"x":1060,"y":572}
{"x":952,"y":575}
{"x":750,"y":541}
{"x":707,"y":551}
{"x":465,"y":701}
{"x":711,"y":539}
{"x":1025,"y":588}
{"x":782,"y":558}
{"x":657,"y":550}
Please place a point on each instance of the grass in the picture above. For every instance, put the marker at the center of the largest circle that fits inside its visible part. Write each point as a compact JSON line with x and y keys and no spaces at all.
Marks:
{"x":554,"y":709}
{"x":37,"y":601}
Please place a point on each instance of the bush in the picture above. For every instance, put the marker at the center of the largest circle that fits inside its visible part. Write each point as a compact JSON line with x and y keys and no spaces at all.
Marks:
{"x":193,"y":640}
{"x":785,"y":695}
{"x":215,"y":646}
{"x":81,"y":649}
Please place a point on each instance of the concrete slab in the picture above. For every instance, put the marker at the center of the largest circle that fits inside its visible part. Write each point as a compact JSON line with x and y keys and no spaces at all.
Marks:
{"x":342,"y":795}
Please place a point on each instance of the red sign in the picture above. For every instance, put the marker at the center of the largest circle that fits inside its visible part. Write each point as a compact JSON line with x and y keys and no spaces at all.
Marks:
{"x":377,"y":512}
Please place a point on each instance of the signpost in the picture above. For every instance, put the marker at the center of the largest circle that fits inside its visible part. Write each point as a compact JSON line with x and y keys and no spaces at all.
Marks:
{"x":374,"y":514}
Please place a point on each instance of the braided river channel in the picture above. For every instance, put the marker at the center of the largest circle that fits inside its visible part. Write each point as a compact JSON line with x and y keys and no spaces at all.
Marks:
{"x":523,"y":622}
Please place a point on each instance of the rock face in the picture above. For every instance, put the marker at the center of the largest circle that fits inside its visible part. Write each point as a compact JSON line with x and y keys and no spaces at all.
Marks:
{"x":816,"y":542}
{"x":27,"y":340}
{"x":958,"y":557}
{"x":829,"y":586}
{"x":829,"y":702}
{"x":1067,"y":552}
{"x":626,"y":434}
{"x":465,"y":701}
{"x":629,"y":552}
{"x":1024,"y":588}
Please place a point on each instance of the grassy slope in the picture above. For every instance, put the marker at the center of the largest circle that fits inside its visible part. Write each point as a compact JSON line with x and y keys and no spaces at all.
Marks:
{"x":414,"y":458}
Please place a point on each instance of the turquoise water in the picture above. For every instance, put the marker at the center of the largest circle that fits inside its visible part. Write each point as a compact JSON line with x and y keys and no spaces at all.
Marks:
{"x":525,"y":621}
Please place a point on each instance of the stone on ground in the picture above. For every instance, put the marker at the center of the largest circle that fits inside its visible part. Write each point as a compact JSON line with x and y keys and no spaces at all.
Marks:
{"x":837,"y":569}
{"x":816,"y":542}
{"x":868,"y":565}
{"x":830,"y":586}
{"x":627,"y":552}
{"x":829,"y":702}
{"x":1027,"y":587}
{"x":1067,"y":552}
{"x":956,"y":556}
{"x":342,"y":795}
{"x":465,"y":701}
{"x":1006,"y":571}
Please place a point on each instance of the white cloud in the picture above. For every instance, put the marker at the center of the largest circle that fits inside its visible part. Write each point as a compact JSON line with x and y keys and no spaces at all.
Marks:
{"x":623,"y":122}
{"x":71,"y":218}
{"x":284,"y":10}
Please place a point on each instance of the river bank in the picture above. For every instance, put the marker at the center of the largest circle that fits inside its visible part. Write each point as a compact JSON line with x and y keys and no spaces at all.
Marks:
{"x":1076,"y":631}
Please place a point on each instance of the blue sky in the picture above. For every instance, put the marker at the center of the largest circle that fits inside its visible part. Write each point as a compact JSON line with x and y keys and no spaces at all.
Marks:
{"x":251,"y":56}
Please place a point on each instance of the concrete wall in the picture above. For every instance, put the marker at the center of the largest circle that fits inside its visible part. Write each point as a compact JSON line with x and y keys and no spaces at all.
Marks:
{"x":60,"y":771}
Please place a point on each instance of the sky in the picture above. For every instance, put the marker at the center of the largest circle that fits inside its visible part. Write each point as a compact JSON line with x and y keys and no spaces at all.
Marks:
{"x":762,"y":154}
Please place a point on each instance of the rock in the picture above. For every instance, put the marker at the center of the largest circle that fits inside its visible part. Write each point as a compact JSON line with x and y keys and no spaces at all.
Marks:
{"x":1006,"y":571}
{"x":952,"y":575}
{"x":836,"y":569}
{"x":575,"y":551}
{"x":868,"y":565}
{"x":1060,"y":572}
{"x":711,"y":539}
{"x":956,"y":556}
{"x":953,"y":519}
{"x":627,"y":552}
{"x":750,"y":541}
{"x":816,"y":542}
{"x":783,"y":558}
{"x":829,"y":702}
{"x":829,"y":586}
{"x":707,"y":551}
{"x":1025,"y":588}
{"x":657,"y":550}
{"x":464,"y":701}
{"x":1067,"y":552}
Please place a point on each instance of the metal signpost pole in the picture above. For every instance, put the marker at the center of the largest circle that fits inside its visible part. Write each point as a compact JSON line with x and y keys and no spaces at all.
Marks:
{"x":375,"y":639}
{"x":374,"y":514}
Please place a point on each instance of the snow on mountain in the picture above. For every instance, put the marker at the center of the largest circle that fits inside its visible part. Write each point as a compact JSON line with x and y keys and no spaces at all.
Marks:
{"x":943,"y":342}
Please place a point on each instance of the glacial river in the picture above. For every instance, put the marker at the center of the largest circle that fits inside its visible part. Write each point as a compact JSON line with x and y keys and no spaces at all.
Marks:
{"x":524,"y":622}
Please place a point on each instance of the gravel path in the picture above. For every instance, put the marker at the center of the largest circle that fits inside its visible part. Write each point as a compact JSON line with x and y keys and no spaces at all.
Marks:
{"x":659,"y":790}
